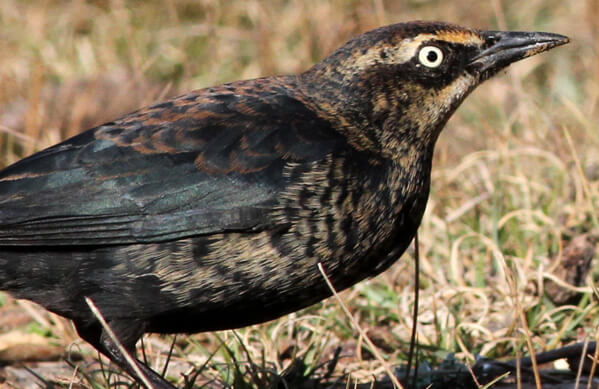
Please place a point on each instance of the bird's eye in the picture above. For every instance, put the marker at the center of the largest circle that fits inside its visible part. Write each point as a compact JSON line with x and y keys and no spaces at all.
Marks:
{"x":430,"y":56}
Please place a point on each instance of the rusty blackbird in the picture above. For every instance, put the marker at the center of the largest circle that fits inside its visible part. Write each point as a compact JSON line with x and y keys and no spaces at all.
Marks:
{"x":213,"y":209}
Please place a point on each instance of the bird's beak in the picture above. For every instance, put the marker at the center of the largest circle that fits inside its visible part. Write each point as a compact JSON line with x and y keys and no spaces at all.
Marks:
{"x":504,"y":47}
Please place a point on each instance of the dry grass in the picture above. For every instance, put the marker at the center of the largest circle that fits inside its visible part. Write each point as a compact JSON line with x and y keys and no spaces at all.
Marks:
{"x":508,"y":186}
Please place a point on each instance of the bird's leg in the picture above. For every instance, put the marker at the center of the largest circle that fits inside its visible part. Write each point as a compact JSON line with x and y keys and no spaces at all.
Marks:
{"x":152,"y":378}
{"x":127,"y":335}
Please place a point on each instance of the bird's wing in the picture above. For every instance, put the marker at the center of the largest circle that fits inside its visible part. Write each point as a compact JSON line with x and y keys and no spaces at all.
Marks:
{"x":206,"y":162}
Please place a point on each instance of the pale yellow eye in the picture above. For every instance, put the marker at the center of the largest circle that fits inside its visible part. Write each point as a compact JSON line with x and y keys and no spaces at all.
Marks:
{"x":430,"y":56}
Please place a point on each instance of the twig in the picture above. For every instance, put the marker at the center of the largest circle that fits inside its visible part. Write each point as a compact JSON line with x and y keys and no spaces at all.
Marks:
{"x":128,"y":358}
{"x":593,"y":364}
{"x":168,"y":357}
{"x":582,"y":359}
{"x":414,"y":311}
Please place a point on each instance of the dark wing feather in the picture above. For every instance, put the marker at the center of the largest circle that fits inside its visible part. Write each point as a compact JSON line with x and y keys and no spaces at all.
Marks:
{"x":206,"y":162}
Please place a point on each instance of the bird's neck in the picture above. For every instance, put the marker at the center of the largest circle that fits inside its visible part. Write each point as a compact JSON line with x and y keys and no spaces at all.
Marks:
{"x":379,"y":118}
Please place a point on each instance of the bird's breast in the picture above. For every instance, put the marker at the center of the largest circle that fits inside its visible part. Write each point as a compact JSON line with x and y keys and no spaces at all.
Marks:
{"x":354,"y":216}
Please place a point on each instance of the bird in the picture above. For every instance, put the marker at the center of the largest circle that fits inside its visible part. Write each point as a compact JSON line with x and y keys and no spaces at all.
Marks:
{"x":213,"y":210}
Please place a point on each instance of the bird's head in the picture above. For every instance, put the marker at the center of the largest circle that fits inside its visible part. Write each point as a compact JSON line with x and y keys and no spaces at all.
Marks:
{"x":399,"y":84}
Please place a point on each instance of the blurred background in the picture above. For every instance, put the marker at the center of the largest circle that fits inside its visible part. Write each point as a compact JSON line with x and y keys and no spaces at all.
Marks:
{"x":510,"y":226}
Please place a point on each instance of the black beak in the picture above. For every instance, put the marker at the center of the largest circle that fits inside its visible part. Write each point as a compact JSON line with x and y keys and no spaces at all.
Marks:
{"x":504,"y":47}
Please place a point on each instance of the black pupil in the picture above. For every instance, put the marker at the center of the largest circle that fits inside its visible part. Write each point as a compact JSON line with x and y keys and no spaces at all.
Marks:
{"x":432,"y":56}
